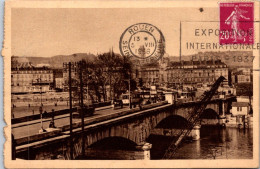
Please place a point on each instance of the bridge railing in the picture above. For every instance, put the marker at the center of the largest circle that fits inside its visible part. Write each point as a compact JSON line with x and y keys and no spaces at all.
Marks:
{"x":62,"y":130}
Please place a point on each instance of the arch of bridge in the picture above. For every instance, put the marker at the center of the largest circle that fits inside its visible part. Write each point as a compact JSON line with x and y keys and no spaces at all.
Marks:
{"x":173,"y":122}
{"x":209,"y":113}
{"x":138,"y":129}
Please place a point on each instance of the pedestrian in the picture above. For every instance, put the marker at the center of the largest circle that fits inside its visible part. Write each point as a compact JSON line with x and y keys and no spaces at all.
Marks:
{"x":44,"y":114}
{"x":52,"y":124}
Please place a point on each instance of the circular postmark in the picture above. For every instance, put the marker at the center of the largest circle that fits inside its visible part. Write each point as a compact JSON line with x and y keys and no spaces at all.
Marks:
{"x":143,"y":41}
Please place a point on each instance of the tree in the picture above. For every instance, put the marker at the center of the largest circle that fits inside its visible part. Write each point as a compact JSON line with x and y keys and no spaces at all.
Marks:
{"x":116,"y":69}
{"x":107,"y":70}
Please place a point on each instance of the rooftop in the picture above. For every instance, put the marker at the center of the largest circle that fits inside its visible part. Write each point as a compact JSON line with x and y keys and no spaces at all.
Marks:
{"x":240,"y":104}
{"x":197,"y":63}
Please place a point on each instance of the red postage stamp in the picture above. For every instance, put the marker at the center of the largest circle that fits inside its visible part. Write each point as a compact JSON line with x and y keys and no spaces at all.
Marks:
{"x":236,"y":23}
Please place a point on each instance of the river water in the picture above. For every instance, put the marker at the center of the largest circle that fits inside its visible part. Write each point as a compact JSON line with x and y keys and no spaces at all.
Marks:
{"x":215,"y":143}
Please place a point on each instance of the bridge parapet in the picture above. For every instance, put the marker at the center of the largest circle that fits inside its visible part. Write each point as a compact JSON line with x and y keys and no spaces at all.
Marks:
{"x":135,"y":126}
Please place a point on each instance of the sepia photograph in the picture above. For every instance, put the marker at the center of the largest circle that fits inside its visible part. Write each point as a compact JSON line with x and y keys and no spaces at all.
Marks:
{"x":102,"y":82}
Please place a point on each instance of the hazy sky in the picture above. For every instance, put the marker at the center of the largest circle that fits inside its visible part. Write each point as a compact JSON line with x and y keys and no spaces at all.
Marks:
{"x":49,"y":32}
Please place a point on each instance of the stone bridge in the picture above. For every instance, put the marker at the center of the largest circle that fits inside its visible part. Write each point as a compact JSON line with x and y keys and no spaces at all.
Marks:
{"x":122,"y":137}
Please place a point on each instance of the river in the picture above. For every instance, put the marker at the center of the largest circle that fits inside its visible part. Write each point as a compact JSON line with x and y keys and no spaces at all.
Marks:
{"x":215,"y":143}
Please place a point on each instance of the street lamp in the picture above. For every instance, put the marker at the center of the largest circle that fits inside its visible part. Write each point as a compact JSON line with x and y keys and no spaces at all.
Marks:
{"x":41,"y":130}
{"x":41,"y":109}
{"x":129,"y":92}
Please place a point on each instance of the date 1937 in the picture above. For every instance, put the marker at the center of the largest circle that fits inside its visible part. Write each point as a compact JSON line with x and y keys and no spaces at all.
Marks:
{"x":233,"y":58}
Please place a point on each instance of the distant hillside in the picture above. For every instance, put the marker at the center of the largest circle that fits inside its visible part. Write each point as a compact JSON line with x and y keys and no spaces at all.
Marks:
{"x":57,"y":61}
{"x":231,"y":58}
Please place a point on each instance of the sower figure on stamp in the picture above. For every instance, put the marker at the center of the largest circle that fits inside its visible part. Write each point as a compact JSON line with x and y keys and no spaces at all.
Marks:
{"x":234,"y":18}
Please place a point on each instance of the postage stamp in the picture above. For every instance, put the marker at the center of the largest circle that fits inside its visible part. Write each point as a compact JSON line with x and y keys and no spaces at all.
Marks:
{"x":142,"y":41}
{"x":236,"y":23}
{"x":131,"y":84}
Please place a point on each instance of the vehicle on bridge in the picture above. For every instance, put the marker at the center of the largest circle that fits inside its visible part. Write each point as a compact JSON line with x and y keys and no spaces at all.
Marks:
{"x":85,"y":111}
{"x":117,"y":103}
{"x":135,"y":98}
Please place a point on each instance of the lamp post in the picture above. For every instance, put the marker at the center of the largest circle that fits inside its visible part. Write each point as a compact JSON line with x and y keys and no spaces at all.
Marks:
{"x":41,"y":89}
{"x":129,"y":92}
{"x":82,"y":107}
{"x":70,"y":104}
{"x":41,"y":109}
{"x":42,"y":129}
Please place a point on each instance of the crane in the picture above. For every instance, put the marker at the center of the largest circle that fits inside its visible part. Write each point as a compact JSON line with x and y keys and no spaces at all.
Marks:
{"x":193,"y":118}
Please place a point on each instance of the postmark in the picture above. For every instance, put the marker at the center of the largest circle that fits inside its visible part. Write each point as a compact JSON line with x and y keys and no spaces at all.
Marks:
{"x":236,"y":23}
{"x":142,"y":41}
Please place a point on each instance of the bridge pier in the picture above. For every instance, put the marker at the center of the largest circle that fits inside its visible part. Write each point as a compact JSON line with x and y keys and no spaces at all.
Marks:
{"x":147,"y":147}
{"x":195,"y":133}
{"x":221,"y":109}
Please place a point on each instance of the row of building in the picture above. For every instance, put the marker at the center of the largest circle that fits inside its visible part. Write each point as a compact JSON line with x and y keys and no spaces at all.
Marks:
{"x":174,"y":74}
{"x":28,"y":78}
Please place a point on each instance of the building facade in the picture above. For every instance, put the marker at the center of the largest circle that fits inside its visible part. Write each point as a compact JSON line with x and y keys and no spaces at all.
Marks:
{"x":154,"y":74}
{"x":240,"y":108}
{"x":25,"y":78}
{"x":195,"y":72}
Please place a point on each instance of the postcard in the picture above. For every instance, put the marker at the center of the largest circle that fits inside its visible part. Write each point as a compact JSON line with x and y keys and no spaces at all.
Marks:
{"x":131,"y":84}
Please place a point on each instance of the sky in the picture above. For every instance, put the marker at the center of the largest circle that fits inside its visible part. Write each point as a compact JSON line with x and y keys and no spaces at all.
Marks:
{"x":49,"y":32}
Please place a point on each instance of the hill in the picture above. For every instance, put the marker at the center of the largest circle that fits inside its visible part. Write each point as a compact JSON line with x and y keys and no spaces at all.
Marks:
{"x":56,"y":61}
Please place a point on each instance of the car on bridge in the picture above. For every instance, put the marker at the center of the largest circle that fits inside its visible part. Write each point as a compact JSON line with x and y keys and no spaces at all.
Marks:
{"x":117,"y":103}
{"x":135,"y":98}
{"x":85,"y":111}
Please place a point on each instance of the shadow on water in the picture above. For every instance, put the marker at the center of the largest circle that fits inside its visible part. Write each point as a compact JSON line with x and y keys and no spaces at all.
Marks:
{"x":215,"y":143}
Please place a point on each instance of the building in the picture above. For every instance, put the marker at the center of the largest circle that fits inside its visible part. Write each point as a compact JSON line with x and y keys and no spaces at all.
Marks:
{"x":243,"y":79}
{"x":26,"y":78}
{"x":245,"y":71}
{"x":183,"y":73}
{"x":242,"y":75}
{"x":58,"y":79}
{"x":195,"y":72}
{"x":154,"y":73}
{"x":240,"y":108}
{"x":150,"y":75}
